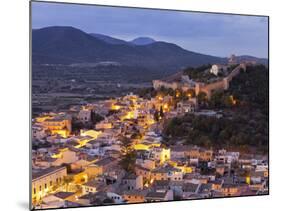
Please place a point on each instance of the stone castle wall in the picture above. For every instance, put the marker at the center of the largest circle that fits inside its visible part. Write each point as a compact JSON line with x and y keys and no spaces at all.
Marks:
{"x":201,"y":87}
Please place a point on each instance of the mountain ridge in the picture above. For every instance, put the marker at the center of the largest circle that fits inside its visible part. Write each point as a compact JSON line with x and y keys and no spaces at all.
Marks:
{"x":67,"y":45}
{"x":142,"y":41}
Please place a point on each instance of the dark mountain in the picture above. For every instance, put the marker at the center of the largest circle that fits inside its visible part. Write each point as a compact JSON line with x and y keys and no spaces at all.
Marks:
{"x":68,"y":45}
{"x":142,"y":41}
{"x":110,"y":40}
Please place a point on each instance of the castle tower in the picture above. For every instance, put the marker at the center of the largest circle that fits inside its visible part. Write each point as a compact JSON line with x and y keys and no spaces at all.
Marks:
{"x":232,"y":59}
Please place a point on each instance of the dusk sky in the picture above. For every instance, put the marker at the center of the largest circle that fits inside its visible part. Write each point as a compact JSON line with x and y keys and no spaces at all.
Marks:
{"x":214,"y":34}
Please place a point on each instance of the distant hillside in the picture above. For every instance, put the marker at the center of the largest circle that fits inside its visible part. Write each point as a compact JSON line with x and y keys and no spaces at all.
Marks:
{"x":252,"y":58}
{"x":143,"y":41}
{"x":68,"y":45}
{"x":110,"y":40}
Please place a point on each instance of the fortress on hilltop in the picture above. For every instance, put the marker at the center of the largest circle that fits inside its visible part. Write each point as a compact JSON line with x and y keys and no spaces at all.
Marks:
{"x":183,"y":82}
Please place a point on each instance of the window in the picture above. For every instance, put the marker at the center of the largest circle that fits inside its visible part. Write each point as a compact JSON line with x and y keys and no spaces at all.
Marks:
{"x":34,"y":190}
{"x":40,"y":188}
{"x":57,"y":180}
{"x":51,"y":183}
{"x":45,"y":186}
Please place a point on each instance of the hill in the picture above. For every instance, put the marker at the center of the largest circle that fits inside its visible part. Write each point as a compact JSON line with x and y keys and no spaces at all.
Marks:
{"x":244,"y":124}
{"x":67,"y":45}
{"x":143,"y":41}
{"x":110,"y":40}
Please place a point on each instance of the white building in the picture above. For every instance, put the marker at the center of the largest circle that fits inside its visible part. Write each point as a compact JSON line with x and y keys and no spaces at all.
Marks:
{"x":160,"y":154}
{"x":185,"y":107}
{"x":218,"y":68}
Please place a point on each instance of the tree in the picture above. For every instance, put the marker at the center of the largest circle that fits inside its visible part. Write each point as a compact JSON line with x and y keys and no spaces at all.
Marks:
{"x":216,"y":99}
{"x":126,"y":144}
{"x":228,"y":100}
{"x":202,"y":97}
{"x":161,"y":113}
{"x":156,"y":116}
{"x":136,"y":135}
{"x":95,"y":118}
{"x":128,"y":161}
{"x":204,"y":141}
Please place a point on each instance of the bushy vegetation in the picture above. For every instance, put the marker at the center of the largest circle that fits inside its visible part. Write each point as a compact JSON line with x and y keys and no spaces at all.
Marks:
{"x":251,"y":88}
{"x":245,"y":121}
{"x":128,"y":158}
{"x":220,"y":132}
{"x":199,"y":73}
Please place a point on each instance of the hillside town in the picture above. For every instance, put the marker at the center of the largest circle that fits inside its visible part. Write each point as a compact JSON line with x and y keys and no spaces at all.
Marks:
{"x":114,"y":152}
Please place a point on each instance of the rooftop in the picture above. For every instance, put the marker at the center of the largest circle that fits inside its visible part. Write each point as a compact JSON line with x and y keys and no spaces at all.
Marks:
{"x":64,"y":195}
{"x":190,"y":187}
{"x":44,"y":172}
{"x":105,"y":161}
{"x":157,"y":194}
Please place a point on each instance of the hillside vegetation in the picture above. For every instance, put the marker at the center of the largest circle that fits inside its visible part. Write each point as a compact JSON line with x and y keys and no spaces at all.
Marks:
{"x":244,"y":123}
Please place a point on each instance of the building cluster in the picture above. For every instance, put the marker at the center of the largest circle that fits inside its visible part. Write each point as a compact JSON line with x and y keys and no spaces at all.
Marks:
{"x":82,"y":169}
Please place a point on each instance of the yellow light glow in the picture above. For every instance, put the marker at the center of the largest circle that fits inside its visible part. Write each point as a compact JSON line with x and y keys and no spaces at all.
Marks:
{"x":233,"y":101}
{"x":42,"y":118}
{"x":115,"y":107}
{"x":129,"y":115}
{"x":248,"y":180}
{"x":62,"y":133}
{"x":141,"y":147}
{"x":160,"y":98}
{"x":58,"y":155}
{"x":93,"y":133}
